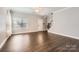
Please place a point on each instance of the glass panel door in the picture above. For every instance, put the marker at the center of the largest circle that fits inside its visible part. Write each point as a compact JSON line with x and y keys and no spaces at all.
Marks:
{"x":19,"y":24}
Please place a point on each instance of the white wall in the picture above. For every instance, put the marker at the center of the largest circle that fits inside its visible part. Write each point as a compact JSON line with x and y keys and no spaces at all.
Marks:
{"x":8,"y":22}
{"x":66,"y":22}
{"x":34,"y":23}
{"x":4,"y":26}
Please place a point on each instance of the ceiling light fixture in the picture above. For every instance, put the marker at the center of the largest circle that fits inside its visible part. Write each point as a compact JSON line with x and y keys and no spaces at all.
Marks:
{"x":38,"y":9}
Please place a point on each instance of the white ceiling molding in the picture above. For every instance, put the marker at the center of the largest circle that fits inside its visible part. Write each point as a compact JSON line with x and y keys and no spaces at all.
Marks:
{"x":35,"y":10}
{"x":60,"y":10}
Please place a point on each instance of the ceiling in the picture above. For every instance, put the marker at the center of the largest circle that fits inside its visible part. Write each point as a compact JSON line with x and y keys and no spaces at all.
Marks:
{"x":36,"y":10}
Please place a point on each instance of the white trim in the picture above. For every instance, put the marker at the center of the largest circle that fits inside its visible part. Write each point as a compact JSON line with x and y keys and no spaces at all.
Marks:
{"x":29,"y":32}
{"x":65,"y":35}
{"x":2,"y":44}
{"x":60,"y":10}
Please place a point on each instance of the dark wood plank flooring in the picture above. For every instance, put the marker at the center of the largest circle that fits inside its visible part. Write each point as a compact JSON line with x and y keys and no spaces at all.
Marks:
{"x":40,"y":42}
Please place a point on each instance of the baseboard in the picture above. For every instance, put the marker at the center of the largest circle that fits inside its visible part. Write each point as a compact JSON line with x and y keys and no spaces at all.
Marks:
{"x":28,"y":32}
{"x":65,"y":35}
{"x":4,"y":41}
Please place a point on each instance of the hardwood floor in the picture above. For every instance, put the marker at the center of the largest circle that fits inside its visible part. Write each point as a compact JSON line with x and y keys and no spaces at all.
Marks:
{"x":40,"y":42}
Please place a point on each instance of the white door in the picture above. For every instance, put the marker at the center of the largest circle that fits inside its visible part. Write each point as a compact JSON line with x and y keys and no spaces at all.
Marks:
{"x":40,"y":25}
